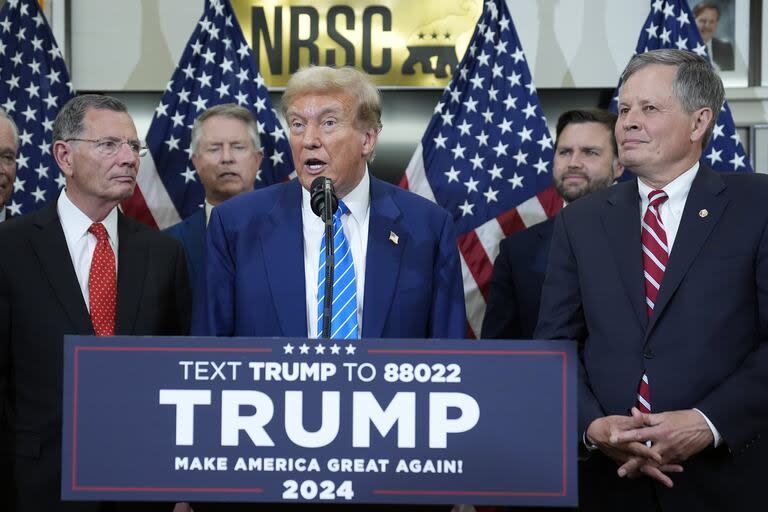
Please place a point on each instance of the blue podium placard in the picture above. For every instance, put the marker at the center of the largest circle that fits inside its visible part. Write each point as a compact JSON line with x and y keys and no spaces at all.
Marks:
{"x":298,"y":420}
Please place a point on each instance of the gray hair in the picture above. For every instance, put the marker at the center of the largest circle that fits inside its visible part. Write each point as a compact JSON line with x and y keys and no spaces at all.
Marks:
{"x":230,"y":111}
{"x":696,"y":84}
{"x":69,"y":122}
{"x":14,"y":129}
{"x":350,"y":80}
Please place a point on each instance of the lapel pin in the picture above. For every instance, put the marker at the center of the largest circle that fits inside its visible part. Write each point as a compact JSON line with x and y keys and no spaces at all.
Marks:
{"x":393,"y":237}
{"x":703,"y":213}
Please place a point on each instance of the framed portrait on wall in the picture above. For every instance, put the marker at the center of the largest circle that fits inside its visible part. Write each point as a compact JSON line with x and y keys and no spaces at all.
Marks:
{"x":724,"y":27}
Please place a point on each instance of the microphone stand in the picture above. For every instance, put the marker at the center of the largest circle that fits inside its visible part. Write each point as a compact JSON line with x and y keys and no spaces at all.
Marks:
{"x":329,"y":260}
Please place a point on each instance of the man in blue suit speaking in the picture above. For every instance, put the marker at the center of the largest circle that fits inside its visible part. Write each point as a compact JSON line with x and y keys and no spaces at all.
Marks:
{"x":264,"y":247}
{"x":226,"y":152}
{"x":663,"y":281}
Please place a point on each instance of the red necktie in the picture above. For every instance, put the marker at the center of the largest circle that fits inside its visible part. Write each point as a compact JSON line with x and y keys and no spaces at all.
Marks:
{"x":655,"y":257}
{"x":102,"y":283}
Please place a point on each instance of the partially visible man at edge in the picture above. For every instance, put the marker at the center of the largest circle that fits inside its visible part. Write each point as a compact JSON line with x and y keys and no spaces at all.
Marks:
{"x":77,"y":266}
{"x":9,"y":144}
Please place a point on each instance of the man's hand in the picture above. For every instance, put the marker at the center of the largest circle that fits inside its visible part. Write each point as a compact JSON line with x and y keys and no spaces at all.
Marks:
{"x":675,"y":435}
{"x":633,"y":456}
{"x":605,"y":432}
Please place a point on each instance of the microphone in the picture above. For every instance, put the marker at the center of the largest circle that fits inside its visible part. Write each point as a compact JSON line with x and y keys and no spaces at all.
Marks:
{"x":324,"y":203}
{"x":321,"y":192}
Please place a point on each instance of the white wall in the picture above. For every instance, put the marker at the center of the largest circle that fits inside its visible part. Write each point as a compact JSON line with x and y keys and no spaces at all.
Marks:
{"x":575,"y":48}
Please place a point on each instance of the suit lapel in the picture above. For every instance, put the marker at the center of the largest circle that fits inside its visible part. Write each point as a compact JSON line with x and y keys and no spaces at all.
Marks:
{"x":50,"y":246}
{"x":132,"y":257}
{"x":282,"y":240}
{"x":691,"y":234}
{"x":622,"y":224}
{"x":383,"y":257}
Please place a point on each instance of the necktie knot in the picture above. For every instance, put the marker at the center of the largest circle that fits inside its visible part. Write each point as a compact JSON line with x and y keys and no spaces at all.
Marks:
{"x":99,"y":231}
{"x":657,"y":198}
{"x":342,"y":210}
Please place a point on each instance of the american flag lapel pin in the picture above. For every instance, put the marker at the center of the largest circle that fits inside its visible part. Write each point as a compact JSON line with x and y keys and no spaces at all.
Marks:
{"x":393,"y":237}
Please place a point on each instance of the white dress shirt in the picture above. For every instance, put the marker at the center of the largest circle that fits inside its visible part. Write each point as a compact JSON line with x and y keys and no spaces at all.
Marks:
{"x":355,"y":226}
{"x":208,"y":210}
{"x":671,"y":212}
{"x":80,"y":242}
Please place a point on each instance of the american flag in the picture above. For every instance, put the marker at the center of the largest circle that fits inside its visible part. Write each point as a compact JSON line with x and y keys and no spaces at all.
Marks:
{"x":217,"y":66}
{"x":487,"y":152}
{"x":34,"y":84}
{"x":670,"y":24}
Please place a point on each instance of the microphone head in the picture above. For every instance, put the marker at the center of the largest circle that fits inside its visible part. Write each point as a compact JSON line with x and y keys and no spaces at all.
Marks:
{"x":317,"y":192}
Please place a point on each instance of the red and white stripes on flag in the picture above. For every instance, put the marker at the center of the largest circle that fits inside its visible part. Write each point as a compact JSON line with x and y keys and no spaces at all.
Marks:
{"x":479,"y":247}
{"x":486,"y":154}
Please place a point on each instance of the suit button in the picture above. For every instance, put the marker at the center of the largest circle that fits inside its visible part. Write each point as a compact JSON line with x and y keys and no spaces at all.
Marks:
{"x":649,"y":354}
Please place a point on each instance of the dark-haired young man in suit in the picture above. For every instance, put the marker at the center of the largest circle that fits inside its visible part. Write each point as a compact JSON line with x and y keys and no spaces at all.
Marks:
{"x":586,"y":160}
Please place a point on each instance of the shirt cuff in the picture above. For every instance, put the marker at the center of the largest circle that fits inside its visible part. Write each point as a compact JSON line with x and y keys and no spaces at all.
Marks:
{"x":591,"y":447}
{"x":715,"y":433}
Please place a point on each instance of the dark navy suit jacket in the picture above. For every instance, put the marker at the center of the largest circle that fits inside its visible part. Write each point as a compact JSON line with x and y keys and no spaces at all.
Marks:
{"x":191,"y":233}
{"x":705,"y":345}
{"x":255,"y":286}
{"x":515,"y":290}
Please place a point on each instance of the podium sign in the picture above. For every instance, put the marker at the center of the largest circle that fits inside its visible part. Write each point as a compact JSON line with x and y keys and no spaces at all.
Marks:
{"x":320,"y":421}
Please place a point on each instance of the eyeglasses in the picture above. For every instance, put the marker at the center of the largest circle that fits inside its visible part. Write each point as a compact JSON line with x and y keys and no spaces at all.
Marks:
{"x":109,"y":146}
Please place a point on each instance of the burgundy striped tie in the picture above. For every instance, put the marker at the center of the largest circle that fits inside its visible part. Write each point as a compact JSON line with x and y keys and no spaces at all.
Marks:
{"x":655,"y":257}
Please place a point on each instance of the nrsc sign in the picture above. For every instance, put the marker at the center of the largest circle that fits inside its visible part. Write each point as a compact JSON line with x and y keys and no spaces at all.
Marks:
{"x":400,"y":43}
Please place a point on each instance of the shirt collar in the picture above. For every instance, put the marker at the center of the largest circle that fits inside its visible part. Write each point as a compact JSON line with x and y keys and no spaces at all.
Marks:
{"x":676,"y":189}
{"x":358,"y":200}
{"x":2,"y":214}
{"x":76,"y":223}
{"x":208,"y":210}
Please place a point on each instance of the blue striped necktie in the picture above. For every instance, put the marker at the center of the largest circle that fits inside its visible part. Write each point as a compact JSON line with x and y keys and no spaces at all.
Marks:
{"x":344,"y":309}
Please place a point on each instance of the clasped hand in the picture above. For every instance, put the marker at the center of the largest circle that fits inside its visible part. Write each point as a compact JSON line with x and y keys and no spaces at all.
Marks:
{"x":653,"y":445}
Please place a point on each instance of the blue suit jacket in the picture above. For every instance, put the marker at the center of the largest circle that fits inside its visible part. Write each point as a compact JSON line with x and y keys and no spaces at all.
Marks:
{"x":255,"y":268}
{"x":191,"y":233}
{"x":515,"y":290}
{"x":705,"y":345}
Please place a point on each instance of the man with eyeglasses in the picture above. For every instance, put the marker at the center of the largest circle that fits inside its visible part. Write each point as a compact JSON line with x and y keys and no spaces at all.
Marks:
{"x":226,"y":152}
{"x":77,"y":266}
{"x":9,"y":142}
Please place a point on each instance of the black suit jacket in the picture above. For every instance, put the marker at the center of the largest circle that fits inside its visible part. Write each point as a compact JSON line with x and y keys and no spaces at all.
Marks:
{"x":40,"y":302}
{"x":705,"y":346}
{"x":722,"y":54}
{"x":515,"y":290}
